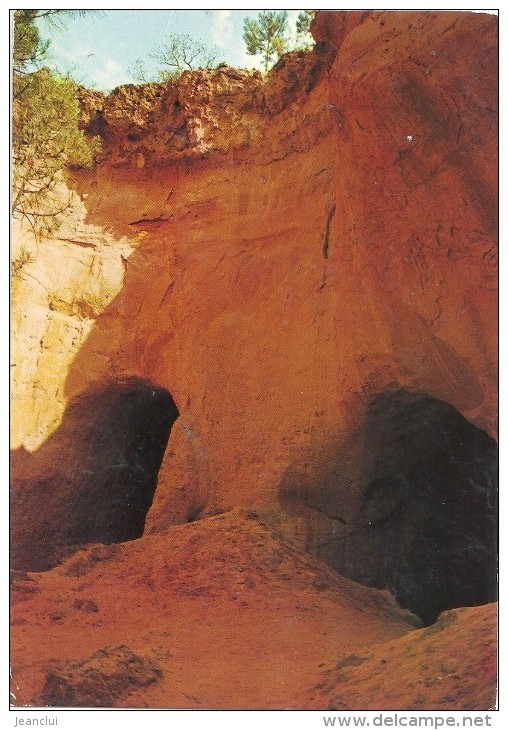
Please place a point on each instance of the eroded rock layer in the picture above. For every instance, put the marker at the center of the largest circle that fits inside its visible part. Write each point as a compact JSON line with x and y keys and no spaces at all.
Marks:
{"x":273,"y":258}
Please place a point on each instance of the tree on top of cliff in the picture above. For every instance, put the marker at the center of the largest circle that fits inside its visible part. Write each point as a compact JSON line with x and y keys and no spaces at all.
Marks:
{"x":45,"y":132}
{"x":177,"y":54}
{"x":267,"y":35}
{"x":304,"y":40}
{"x":29,"y":50}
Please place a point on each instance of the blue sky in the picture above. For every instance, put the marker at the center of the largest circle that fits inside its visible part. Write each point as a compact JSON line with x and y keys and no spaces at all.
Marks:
{"x":100,"y":50}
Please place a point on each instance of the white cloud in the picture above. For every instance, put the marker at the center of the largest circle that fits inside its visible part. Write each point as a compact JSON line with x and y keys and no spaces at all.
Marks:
{"x":79,"y":52}
{"x":293,"y":15}
{"x":244,"y":60}
{"x":292,"y":18}
{"x":108,"y":73}
{"x":88,"y":67}
{"x":222,"y":27}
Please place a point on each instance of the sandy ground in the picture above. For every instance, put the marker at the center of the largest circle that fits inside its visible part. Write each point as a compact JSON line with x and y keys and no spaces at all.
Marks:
{"x":221,"y":613}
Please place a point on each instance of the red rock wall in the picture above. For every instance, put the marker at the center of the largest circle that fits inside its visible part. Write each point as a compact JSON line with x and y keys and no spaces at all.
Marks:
{"x":308,"y":241}
{"x":416,"y":124}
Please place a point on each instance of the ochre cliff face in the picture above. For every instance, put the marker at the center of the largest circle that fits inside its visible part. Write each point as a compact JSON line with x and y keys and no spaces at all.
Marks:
{"x":416,"y":122}
{"x":289,"y":249}
{"x":59,"y":288}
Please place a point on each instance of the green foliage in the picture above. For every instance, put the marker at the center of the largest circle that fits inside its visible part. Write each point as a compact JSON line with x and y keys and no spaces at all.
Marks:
{"x":28,"y":49}
{"x":304,"y":40}
{"x":267,"y":35}
{"x":46,"y":136}
{"x":177,"y":54}
{"x":304,"y":20}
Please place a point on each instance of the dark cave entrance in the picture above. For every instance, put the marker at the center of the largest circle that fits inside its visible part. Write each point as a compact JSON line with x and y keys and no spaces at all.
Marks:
{"x":408,"y":504}
{"x":425,"y":525}
{"x":124,"y":434}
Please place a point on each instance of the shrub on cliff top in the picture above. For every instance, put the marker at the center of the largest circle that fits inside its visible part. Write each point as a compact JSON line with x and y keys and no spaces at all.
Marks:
{"x":267,"y":35}
{"x":177,"y":54}
{"x":45,"y":132}
{"x":270,"y":37}
{"x":304,"y":39}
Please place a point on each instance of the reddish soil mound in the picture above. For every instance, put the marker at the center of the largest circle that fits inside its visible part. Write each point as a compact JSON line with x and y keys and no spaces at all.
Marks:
{"x":221,"y":613}
{"x":448,"y":666}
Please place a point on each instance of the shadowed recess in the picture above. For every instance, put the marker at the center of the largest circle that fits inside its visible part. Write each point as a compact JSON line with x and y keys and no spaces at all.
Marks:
{"x":409,"y":506}
{"x":426,"y":523}
{"x":122,"y":454}
{"x":95,"y":479}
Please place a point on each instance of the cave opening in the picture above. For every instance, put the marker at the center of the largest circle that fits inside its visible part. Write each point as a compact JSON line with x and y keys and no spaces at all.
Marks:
{"x":422,"y":521}
{"x":425,"y":525}
{"x":122,"y":431}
